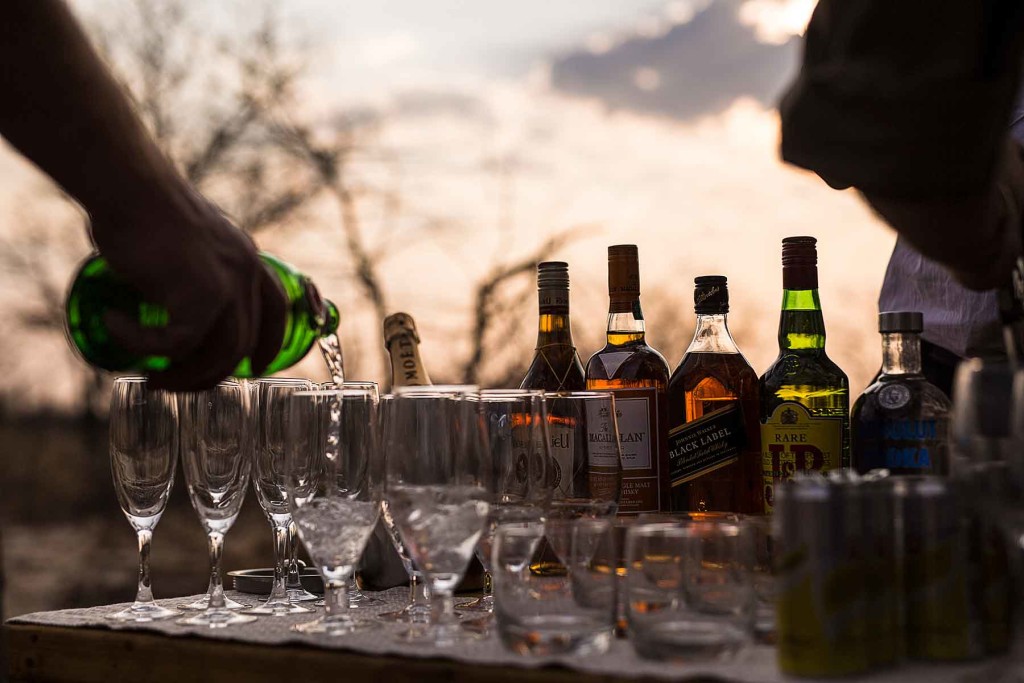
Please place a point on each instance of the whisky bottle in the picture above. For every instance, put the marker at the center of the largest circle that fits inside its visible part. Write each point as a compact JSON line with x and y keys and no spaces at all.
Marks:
{"x":556,"y":365}
{"x":901,"y":422}
{"x":637,"y":375}
{"x":805,"y":397}
{"x":402,"y":342}
{"x":714,"y":438}
{"x":97,"y":289}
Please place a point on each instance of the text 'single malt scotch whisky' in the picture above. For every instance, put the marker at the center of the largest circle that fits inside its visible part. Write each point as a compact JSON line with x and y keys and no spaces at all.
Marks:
{"x":97,"y":289}
{"x":638,"y":377}
{"x":403,"y":344}
{"x":714,"y":438}
{"x":901,"y":422}
{"x":805,"y":397}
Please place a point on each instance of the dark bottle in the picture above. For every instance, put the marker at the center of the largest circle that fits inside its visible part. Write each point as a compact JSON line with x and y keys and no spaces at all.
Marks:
{"x":804,"y":396}
{"x":556,"y":365}
{"x":714,"y":438}
{"x":637,"y":376}
{"x":901,"y":422}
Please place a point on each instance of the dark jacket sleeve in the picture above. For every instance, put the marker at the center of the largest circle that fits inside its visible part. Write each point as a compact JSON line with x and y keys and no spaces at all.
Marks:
{"x":910,"y":102}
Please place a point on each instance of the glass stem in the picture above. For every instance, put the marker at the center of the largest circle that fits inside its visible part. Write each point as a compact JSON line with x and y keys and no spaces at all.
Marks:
{"x":335,"y":599}
{"x":216,"y":540}
{"x":280,"y":589}
{"x":442,"y":607}
{"x":144,"y":593}
{"x":294,"y":580}
{"x":414,"y":588}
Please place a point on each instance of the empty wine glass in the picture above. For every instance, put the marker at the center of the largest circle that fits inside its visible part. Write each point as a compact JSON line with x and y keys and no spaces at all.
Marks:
{"x":584,"y":469}
{"x":332,"y":494}
{"x":437,"y":493}
{"x":270,"y":406}
{"x":143,"y":455}
{"x":216,"y":456}
{"x":514,"y":423}
{"x":417,"y":609}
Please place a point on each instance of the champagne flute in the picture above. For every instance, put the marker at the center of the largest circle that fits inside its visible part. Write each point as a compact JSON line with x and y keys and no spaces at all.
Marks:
{"x":437,"y":493}
{"x":270,"y":398}
{"x":332,"y":494}
{"x":514,"y":423}
{"x":216,"y":456}
{"x":143,"y":455}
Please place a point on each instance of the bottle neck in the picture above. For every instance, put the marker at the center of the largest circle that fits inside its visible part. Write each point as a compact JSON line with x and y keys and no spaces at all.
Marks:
{"x":801,"y":326}
{"x":625,"y":322}
{"x":712,"y":335}
{"x":407,"y":368}
{"x":553,"y":329}
{"x":901,"y":353}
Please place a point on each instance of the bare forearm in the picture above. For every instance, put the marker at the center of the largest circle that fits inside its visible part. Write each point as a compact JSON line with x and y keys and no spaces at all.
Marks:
{"x":60,"y":106}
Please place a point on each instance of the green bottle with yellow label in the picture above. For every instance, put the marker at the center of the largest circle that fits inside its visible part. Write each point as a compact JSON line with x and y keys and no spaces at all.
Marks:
{"x":96,"y":289}
{"x":805,"y":397}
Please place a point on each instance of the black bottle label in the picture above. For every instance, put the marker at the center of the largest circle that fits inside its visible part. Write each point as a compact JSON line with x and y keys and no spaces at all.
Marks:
{"x":713,"y":440}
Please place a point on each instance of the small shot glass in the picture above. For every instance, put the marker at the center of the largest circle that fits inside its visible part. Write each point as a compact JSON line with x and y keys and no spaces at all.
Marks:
{"x":555,"y":612}
{"x":689,"y":589}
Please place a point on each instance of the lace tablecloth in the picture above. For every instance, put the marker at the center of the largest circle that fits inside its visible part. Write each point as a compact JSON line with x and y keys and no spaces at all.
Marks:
{"x":757,"y":665}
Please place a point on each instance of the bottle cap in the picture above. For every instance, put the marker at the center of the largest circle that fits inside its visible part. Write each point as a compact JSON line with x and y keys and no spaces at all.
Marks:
{"x":623,"y":273}
{"x":710,"y":295}
{"x":553,"y":275}
{"x":901,"y":321}
{"x":399,"y":325}
{"x":799,"y":263}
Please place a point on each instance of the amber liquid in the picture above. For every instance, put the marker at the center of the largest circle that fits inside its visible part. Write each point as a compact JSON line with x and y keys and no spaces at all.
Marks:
{"x":705,"y":382}
{"x":641,"y":368}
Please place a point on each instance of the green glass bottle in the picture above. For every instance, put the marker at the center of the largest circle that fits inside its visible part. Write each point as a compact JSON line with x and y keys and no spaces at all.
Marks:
{"x":805,"y":397}
{"x":96,"y":289}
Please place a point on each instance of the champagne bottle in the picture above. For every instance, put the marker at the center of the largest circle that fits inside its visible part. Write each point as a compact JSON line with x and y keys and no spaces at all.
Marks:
{"x":403,"y":344}
{"x":97,"y":289}
{"x":805,"y":397}
{"x":637,"y":375}
{"x":556,"y":365}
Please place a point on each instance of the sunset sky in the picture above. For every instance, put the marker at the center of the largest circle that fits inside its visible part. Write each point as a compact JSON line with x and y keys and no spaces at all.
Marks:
{"x":647,"y":122}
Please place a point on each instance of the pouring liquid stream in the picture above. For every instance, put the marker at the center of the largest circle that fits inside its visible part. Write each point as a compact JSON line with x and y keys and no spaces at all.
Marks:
{"x":330,"y":347}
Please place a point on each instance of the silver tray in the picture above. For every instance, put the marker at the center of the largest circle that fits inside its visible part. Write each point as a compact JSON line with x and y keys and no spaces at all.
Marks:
{"x":259,"y":581}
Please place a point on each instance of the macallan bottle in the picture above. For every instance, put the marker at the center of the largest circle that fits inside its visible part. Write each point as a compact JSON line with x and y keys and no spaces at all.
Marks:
{"x":403,"y":344}
{"x":805,"y":397}
{"x":638,"y":377}
{"x":901,"y":422}
{"x":556,"y":365}
{"x":714,"y":438}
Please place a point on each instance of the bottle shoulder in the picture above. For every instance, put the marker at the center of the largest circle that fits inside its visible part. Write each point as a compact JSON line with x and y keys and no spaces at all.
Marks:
{"x":810,"y":369}
{"x":628,"y":361}
{"x":730,"y":370}
{"x":555,"y":369}
{"x":902,"y":397}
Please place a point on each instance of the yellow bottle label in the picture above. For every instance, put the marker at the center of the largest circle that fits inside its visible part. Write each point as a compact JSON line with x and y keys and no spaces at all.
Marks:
{"x":793,"y":440}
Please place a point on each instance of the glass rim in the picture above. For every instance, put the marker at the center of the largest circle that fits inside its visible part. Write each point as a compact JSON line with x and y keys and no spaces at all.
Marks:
{"x":527,"y":528}
{"x":354,"y":383}
{"x":439,"y":389}
{"x":511,"y":392}
{"x":281,"y":381}
{"x":686,"y":529}
{"x":579,"y":394}
{"x":131,"y":379}
{"x":326,"y":393}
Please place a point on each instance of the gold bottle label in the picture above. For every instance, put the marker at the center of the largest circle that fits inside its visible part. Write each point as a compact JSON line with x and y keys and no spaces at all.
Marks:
{"x":793,"y":440}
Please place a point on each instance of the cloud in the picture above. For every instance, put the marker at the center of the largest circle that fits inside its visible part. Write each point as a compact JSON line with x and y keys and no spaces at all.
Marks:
{"x":696,"y":68}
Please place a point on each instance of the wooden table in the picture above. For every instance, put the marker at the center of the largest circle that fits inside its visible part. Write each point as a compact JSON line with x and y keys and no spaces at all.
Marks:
{"x":61,"y":655}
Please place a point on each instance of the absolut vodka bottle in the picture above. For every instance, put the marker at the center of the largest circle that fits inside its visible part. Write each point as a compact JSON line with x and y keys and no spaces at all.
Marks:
{"x":901,"y":422}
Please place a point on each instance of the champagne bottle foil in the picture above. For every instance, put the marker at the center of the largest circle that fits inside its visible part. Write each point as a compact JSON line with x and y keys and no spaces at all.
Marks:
{"x":397,"y":325}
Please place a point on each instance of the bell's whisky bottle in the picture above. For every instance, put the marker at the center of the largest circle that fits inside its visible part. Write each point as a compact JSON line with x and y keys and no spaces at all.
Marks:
{"x":805,"y":397}
{"x":638,"y":377}
{"x":714,"y":438}
{"x":97,"y":289}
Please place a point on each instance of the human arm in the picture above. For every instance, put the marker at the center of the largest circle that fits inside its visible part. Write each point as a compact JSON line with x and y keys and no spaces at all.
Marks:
{"x":60,"y":106}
